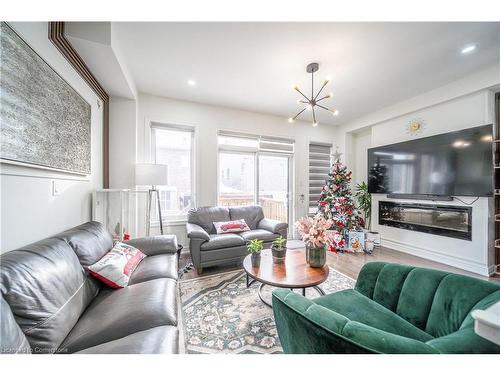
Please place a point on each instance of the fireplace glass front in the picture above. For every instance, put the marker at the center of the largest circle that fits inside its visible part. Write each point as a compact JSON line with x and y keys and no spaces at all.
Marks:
{"x":450,"y":221}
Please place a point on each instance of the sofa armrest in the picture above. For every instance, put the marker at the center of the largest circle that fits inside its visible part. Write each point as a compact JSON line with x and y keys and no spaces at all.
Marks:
{"x":164,"y":244}
{"x":195,"y":231}
{"x":380,"y":341}
{"x":306,"y":327}
{"x":274,"y":226}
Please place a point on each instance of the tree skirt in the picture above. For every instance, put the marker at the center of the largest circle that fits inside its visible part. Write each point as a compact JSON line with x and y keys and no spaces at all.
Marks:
{"x":222,"y":315}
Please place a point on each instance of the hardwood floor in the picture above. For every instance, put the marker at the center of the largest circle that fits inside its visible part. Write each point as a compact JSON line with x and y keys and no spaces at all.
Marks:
{"x":350,"y":264}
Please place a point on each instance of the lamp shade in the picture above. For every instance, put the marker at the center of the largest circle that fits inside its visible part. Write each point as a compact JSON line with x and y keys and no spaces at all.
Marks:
{"x":151,"y":174}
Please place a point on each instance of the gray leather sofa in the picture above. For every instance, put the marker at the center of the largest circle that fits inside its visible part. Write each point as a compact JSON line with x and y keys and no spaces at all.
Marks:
{"x":51,"y":305}
{"x":209,"y":248}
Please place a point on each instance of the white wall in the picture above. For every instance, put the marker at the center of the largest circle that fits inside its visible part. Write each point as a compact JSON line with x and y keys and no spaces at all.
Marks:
{"x":207,"y":120}
{"x":360,"y":144}
{"x":123,"y":142}
{"x":457,"y":114}
{"x":29,"y":211}
{"x":463,"y":112}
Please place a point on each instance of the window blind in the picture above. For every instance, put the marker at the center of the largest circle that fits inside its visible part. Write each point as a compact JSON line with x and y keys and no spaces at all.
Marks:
{"x":319,"y":167}
{"x":233,"y":140}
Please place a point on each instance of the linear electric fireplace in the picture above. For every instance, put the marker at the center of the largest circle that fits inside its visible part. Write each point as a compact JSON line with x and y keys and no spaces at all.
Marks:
{"x":450,"y":221}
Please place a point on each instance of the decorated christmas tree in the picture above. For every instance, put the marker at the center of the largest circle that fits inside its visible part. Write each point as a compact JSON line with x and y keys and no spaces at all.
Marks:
{"x":337,"y":203}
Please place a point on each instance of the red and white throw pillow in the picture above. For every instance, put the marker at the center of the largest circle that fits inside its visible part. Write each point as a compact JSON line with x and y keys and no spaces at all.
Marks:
{"x":234,"y":226}
{"x":114,"y":268}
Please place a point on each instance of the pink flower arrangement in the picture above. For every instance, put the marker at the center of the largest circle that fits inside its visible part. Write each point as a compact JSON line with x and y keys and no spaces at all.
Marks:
{"x":315,"y":231}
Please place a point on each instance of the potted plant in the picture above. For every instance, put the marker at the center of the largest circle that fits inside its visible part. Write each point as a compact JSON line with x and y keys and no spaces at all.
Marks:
{"x":318,"y":238}
{"x":255,"y":247}
{"x":278,"y":248}
{"x":364,"y":202}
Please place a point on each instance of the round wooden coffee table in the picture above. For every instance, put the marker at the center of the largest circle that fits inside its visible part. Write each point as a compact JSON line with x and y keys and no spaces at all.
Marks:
{"x":294,"y":273}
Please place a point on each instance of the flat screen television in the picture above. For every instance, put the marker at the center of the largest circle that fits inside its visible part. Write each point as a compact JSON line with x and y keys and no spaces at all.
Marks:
{"x":452,"y":164}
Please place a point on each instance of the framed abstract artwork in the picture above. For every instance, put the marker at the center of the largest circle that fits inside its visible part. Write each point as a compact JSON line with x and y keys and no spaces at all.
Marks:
{"x":45,"y":123}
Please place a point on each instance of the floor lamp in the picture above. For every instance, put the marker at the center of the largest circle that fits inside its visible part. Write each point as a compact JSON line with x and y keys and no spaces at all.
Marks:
{"x":153,"y":175}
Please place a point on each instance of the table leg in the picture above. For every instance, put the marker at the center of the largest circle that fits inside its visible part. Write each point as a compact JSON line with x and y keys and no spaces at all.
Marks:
{"x":249,"y":281}
{"x":320,"y":291}
{"x":261,"y":298}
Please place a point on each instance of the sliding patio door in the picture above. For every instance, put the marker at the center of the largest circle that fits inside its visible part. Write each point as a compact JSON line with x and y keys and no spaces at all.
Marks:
{"x":256,"y":171}
{"x":274,"y":186}
{"x":237,"y":178}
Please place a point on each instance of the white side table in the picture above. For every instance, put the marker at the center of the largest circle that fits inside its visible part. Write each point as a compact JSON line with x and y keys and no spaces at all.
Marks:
{"x":487,"y":323}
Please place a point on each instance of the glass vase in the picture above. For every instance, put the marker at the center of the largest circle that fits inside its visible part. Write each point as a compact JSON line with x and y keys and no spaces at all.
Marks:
{"x":315,"y":256}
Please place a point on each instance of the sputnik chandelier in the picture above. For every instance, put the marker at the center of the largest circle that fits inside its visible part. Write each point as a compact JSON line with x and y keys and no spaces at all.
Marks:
{"x":312,"y":103}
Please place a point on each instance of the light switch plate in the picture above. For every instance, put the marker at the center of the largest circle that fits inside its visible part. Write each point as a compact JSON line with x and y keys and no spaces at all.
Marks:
{"x":56,"y":188}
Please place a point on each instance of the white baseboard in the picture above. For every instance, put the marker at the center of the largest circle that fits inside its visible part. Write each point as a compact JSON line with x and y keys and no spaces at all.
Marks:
{"x":465,"y":264}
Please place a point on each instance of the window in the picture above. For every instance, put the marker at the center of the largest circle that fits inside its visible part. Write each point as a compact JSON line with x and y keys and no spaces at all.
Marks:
{"x":256,"y":170}
{"x":319,"y":166}
{"x":174,"y":146}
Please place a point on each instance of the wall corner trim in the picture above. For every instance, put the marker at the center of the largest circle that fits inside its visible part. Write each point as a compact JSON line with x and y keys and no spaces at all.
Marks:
{"x":57,"y":37}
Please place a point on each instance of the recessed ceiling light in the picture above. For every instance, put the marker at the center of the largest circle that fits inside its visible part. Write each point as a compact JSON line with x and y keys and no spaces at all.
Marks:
{"x":468,"y":49}
{"x":191,"y":82}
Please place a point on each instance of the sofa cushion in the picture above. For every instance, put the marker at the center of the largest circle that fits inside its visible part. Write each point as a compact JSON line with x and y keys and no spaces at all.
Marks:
{"x":233,"y":226}
{"x":155,"y":267}
{"x":417,"y":294}
{"x":114,"y":268}
{"x":116,"y":313}
{"x":389,"y":284}
{"x":46,"y":289}
{"x":220,"y":241}
{"x":13,"y":340}
{"x":454,"y":299}
{"x":158,"y":340}
{"x":225,"y":255}
{"x":367,"y":278}
{"x":206,"y":216}
{"x":355,"y":306}
{"x":260,"y":234}
{"x":251,"y":214}
{"x":90,"y":241}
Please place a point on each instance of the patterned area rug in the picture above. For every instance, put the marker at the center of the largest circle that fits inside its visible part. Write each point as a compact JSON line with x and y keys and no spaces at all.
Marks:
{"x":222,"y":315}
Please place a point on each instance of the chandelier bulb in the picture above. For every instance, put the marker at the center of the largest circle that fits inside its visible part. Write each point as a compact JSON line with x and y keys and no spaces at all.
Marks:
{"x":311,"y":103}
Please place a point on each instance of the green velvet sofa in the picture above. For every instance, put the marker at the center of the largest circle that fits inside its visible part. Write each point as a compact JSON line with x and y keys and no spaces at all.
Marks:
{"x":392,"y":309}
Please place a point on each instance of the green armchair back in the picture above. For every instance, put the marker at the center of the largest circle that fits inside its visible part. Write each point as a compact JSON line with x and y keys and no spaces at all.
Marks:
{"x":392,"y":309}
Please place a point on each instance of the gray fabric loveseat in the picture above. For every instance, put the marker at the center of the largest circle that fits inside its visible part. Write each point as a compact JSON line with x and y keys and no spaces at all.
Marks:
{"x":50,"y":304}
{"x":209,"y":248}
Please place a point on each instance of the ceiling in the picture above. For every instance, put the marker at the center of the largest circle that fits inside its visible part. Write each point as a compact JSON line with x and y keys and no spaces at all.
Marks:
{"x":253,"y":66}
